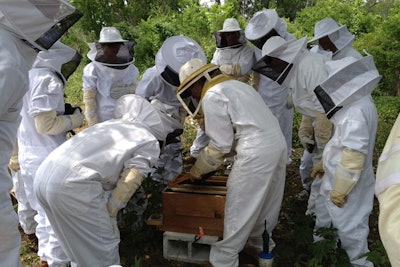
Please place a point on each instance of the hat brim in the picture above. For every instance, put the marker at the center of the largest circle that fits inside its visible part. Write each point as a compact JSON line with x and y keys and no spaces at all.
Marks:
{"x":196,"y":73}
{"x":325,"y":34}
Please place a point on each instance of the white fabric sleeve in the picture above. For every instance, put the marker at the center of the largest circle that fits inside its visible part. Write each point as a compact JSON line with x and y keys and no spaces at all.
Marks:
{"x":218,"y":126}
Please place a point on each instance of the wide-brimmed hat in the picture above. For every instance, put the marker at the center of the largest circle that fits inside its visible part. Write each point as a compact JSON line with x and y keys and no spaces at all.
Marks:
{"x":230,"y":25}
{"x":261,"y":23}
{"x":324,"y":28}
{"x":110,"y":35}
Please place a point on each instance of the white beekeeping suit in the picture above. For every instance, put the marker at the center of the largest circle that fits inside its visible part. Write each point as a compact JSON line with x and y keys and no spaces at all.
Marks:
{"x":387,"y":191}
{"x":105,"y":164}
{"x":24,"y":28}
{"x":263,"y":25}
{"x":292,"y":65}
{"x":335,"y":42}
{"x":110,"y":75}
{"x":237,"y":119}
{"x":43,"y":128}
{"x":160,"y":82}
{"x":346,"y":195}
{"x":235,"y":57}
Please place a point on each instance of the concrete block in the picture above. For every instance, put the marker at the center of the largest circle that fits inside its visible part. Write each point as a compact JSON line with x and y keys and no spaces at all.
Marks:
{"x":181,"y":247}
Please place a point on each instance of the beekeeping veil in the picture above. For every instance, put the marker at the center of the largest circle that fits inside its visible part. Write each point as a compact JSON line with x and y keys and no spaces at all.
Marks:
{"x":152,"y":116}
{"x":339,"y":35}
{"x":263,"y":25}
{"x":39,"y":23}
{"x":278,"y":57}
{"x":349,"y":80}
{"x":231,"y":25}
{"x":175,"y":52}
{"x":60,"y":58}
{"x":111,"y":35}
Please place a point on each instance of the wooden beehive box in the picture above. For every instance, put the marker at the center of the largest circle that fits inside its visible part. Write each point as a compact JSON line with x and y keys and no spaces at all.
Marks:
{"x":189,"y":205}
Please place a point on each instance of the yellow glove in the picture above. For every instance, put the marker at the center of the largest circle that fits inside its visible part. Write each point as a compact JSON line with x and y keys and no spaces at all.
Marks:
{"x":323,"y":130}
{"x":230,"y":69}
{"x":14,"y":163}
{"x":209,"y":160}
{"x":318,"y":170}
{"x":128,"y":183}
{"x":89,"y":99}
{"x":306,"y":133}
{"x":347,"y":174}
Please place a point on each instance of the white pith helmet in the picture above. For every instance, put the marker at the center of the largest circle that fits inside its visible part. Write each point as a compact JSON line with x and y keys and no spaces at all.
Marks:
{"x":110,"y":35}
{"x":230,"y":25}
{"x":189,"y":68}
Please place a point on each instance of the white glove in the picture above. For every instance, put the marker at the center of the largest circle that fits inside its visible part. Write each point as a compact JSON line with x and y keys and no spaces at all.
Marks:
{"x":230,"y":69}
{"x":127,"y":184}
{"x":119,"y":91}
{"x":347,"y":174}
{"x":114,"y":224}
{"x":89,"y":99}
{"x":209,"y":160}
{"x":76,"y":119}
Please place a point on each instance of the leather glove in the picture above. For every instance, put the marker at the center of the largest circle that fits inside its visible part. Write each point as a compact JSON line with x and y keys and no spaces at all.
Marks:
{"x":318,"y":170}
{"x":323,"y":130}
{"x":128,"y":183}
{"x":209,"y":160}
{"x":347,"y":175}
{"x":306,"y":133}
{"x":76,"y":119}
{"x":289,"y":101}
{"x":119,"y":91}
{"x":89,"y":99}
{"x":114,"y":224}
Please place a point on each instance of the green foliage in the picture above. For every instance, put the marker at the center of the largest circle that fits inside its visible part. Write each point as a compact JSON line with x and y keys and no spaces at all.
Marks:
{"x":388,"y":109}
{"x":378,"y":255}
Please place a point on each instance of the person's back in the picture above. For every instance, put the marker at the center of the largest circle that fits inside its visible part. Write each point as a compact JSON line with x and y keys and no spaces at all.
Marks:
{"x":248,"y":113}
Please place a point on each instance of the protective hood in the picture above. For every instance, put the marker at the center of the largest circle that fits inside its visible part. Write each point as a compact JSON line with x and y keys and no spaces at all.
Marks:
{"x":39,"y":23}
{"x":175,"y":52}
{"x":153,"y":117}
{"x":339,"y":35}
{"x":59,"y":58}
{"x":263,"y":25}
{"x":286,"y":52}
{"x":349,"y":80}
{"x":231,"y":25}
{"x":191,"y":72}
{"x":125,"y":55}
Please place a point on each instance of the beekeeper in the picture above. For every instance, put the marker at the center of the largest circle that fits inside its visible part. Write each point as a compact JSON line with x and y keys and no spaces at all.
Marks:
{"x":110,"y":74}
{"x":292,"y":65}
{"x":84,"y":182}
{"x":24,"y":30}
{"x":335,"y":42}
{"x":237,"y":119}
{"x":346,"y":195}
{"x":235,"y":57}
{"x":44,"y":127}
{"x":386,"y":190}
{"x":263,"y":25}
{"x":160,"y":82}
